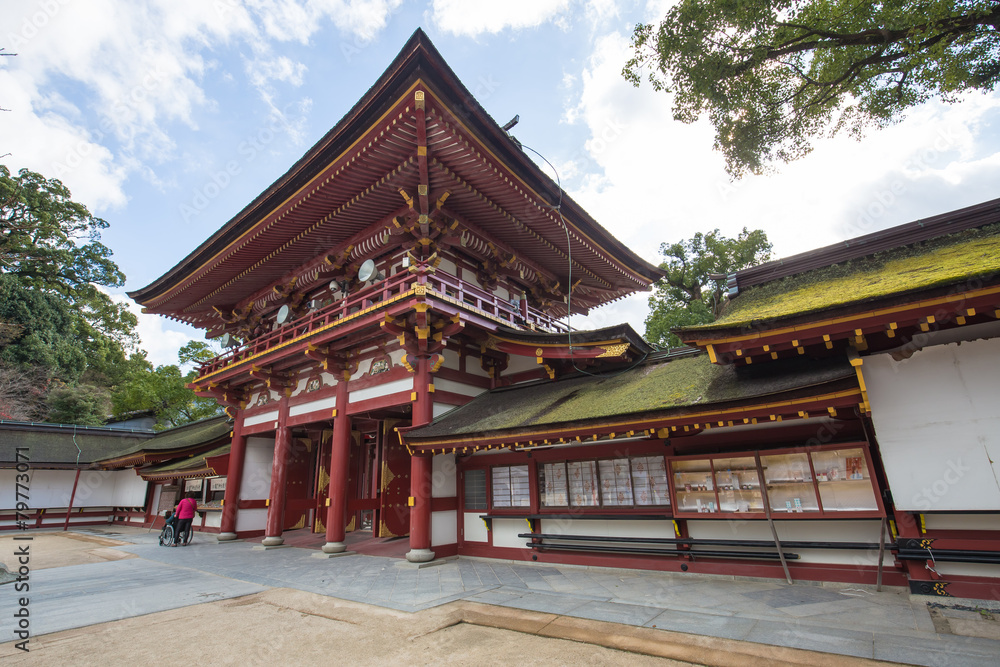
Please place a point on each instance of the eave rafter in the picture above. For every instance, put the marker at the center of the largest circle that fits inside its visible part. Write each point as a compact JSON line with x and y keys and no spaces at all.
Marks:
{"x":504,"y":178}
{"x":890,"y":326}
{"x":660,"y":427}
{"x":301,"y":235}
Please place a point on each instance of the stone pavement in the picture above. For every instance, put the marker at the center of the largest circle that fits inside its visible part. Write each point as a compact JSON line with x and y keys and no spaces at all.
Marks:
{"x":847,"y":620}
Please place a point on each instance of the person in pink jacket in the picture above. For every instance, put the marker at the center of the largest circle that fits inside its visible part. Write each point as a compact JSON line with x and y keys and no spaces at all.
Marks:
{"x":185,"y":513}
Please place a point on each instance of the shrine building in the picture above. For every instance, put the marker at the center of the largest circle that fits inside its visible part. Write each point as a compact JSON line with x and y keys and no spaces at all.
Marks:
{"x":398,"y":363}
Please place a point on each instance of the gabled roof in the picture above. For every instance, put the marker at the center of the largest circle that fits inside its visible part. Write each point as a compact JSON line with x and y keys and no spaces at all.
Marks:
{"x":345,"y":192}
{"x":166,"y":445}
{"x":872,"y":293}
{"x":910,"y":269}
{"x":668,"y":389}
{"x":187,"y":468}
{"x":63,"y":446}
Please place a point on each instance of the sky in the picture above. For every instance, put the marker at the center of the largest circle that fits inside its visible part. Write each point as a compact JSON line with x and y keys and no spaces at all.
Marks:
{"x":141,"y":107}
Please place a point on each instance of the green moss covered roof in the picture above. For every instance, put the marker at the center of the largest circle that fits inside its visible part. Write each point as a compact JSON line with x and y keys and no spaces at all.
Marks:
{"x":50,"y":444}
{"x":188,"y":463}
{"x":190,"y":435}
{"x":653,"y":388}
{"x":943,"y":261}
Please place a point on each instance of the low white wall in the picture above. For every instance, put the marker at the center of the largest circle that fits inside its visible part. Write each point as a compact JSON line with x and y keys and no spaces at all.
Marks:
{"x":505,"y":533}
{"x":802,"y":531}
{"x":247,"y":520}
{"x":95,"y":488}
{"x":444,"y":528}
{"x":474,"y":528}
{"x":213,"y":519}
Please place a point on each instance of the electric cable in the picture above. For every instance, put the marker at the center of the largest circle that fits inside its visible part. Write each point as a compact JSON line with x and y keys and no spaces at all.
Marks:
{"x":569,"y":278}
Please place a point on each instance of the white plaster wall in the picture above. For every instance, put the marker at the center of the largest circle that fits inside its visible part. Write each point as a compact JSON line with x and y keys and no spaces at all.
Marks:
{"x":96,"y":488}
{"x":473,"y":366}
{"x":451,"y":359}
{"x":262,"y":418}
{"x":448,"y":266}
{"x":961,"y":521}
{"x":396,"y":356}
{"x":938,"y":426}
{"x":327,"y":403}
{"x":802,"y":531}
{"x":130,"y":489}
{"x":440,"y":384}
{"x":213,"y":519}
{"x":439,"y":409}
{"x":247,"y":520}
{"x":608,"y":528}
{"x":444,"y":528}
{"x":519,"y":364}
{"x":968,"y":569}
{"x":256,"y":482}
{"x":474,"y":528}
{"x":443,"y":476}
{"x":505,"y":533}
{"x":405,"y":384}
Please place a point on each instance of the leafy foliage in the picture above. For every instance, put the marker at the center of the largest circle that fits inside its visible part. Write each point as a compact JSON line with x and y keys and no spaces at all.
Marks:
{"x":692,"y":291}
{"x":52,"y":244}
{"x":82,"y":404}
{"x":774,"y":75}
{"x":164,"y":391}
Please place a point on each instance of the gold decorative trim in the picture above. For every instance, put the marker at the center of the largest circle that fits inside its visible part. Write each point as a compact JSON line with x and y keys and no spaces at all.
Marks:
{"x":614,"y":350}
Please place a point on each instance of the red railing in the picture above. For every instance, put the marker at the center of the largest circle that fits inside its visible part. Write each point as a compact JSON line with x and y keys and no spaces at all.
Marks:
{"x":402,"y":282}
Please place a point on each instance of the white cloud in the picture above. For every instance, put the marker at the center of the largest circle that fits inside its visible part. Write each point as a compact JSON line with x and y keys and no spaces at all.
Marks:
{"x":161,"y":338}
{"x":649,"y":179}
{"x":470,"y":19}
{"x":138,"y":67}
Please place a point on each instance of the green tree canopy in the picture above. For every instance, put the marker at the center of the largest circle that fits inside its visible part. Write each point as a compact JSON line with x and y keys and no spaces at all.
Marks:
{"x":772,"y":76}
{"x":52,"y":244}
{"x":164,"y":391}
{"x":693,"y":289}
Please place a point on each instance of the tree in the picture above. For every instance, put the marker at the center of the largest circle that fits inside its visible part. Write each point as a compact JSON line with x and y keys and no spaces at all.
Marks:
{"x":693,"y":290}
{"x":164,"y":391}
{"x":772,"y":76}
{"x":52,"y":244}
{"x":83,"y":404}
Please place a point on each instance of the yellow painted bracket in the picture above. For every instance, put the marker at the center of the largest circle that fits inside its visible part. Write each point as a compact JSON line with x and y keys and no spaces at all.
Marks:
{"x":267,"y":503}
{"x":411,"y":501}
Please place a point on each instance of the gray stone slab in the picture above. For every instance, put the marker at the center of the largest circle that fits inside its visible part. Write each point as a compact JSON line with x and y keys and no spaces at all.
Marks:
{"x":80,"y":595}
{"x":549,"y":604}
{"x":800,"y":635}
{"x":937,"y":651}
{"x":725,"y":627}
{"x":615,"y":612}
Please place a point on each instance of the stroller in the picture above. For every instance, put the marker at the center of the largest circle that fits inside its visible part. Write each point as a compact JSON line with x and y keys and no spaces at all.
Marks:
{"x":169,"y":527}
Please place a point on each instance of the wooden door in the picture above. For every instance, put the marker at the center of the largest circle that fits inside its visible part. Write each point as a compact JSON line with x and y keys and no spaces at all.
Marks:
{"x":322,"y":484}
{"x":299,"y":496}
{"x":394,"y":484}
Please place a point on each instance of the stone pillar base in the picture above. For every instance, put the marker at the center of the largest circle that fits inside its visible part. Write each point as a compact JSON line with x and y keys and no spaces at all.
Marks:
{"x":226,"y":537}
{"x":419,"y":555}
{"x":334,"y":547}
{"x":276,"y":541}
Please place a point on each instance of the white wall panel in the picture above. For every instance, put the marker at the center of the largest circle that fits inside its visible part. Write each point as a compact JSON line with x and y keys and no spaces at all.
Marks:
{"x":474,"y":527}
{"x":327,"y":403}
{"x":406,"y":384}
{"x":256,"y":482}
{"x":247,"y":520}
{"x":443,"y":476}
{"x":505,"y":533}
{"x":444,"y":528}
{"x":938,"y":426}
{"x":261,"y":418}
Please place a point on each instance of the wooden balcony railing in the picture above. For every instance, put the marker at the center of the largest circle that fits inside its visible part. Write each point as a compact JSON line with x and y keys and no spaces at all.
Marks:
{"x":450,"y":286}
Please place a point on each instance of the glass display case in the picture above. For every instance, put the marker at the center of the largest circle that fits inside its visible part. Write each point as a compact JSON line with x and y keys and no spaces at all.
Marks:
{"x":797,"y":483}
{"x":789,"y":480}
{"x":717,"y":485}
{"x":844,"y":480}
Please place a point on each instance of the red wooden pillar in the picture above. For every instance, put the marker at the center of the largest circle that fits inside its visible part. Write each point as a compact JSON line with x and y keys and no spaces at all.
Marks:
{"x":279,"y":475}
{"x":340,"y":456}
{"x":420,"y":472}
{"x":234,"y":477}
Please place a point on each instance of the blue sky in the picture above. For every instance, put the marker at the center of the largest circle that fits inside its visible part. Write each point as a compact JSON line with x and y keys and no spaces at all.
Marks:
{"x":167,"y":117}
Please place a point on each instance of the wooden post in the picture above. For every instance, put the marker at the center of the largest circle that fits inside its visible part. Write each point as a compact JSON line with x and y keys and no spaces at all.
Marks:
{"x":881,"y":554}
{"x":340,"y":456}
{"x":234,"y":479}
{"x":279,"y":475}
{"x":420,"y":472}
{"x":770,"y":521}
